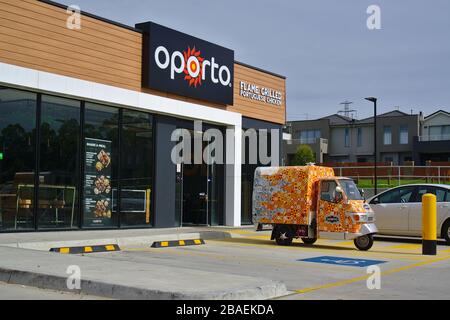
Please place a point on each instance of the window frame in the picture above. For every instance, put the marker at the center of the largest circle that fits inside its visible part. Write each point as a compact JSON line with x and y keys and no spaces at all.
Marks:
{"x":414,"y":188}
{"x":359,"y":137}
{"x":80,"y":184}
{"x":401,"y":132}
{"x":36,"y":155}
{"x":321,"y":191}
{"x":347,"y":137}
{"x":387,"y":133}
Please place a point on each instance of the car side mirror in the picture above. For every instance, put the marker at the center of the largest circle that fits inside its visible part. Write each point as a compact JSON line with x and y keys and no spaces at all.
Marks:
{"x":375,"y":201}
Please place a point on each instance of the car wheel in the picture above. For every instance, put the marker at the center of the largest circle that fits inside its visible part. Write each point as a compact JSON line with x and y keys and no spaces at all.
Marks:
{"x":446,"y":232}
{"x":283,"y":236}
{"x":364,"y":243}
{"x":309,"y":240}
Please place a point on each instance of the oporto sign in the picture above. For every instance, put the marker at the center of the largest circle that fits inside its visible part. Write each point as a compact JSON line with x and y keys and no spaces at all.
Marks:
{"x":177,"y":63}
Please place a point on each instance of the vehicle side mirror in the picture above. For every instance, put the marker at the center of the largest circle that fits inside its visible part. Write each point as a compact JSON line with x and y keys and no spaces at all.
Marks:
{"x":375,"y":201}
{"x":338,"y":194}
{"x":363,"y":193}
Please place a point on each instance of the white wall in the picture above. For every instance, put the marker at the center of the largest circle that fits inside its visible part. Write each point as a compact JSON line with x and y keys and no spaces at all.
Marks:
{"x":440,"y":119}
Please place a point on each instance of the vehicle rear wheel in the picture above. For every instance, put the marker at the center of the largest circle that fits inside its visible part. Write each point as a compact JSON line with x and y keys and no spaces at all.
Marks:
{"x":309,"y":240}
{"x":446,"y":232}
{"x":283,"y":236}
{"x":364,"y":243}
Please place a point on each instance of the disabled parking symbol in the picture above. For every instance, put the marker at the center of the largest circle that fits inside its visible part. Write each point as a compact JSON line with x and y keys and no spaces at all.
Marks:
{"x":342,"y":261}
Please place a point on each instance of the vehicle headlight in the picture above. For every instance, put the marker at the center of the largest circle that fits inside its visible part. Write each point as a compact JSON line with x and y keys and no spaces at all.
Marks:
{"x":363,"y":217}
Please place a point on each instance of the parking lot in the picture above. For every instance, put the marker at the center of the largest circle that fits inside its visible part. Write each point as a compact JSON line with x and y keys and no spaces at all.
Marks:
{"x":338,"y":272}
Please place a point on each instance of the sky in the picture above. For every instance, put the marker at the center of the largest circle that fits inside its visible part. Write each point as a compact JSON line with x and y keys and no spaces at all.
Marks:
{"x":323,"y":47}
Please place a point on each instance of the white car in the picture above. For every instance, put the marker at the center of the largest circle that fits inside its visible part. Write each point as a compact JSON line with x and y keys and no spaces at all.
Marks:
{"x":398,"y":211}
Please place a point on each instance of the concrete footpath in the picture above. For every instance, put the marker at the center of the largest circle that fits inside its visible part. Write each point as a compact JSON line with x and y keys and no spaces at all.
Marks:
{"x":25,"y":260}
{"x":45,"y":240}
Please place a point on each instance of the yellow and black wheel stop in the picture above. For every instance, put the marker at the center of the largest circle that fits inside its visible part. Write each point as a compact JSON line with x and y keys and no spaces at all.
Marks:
{"x":86,"y":249}
{"x":177,"y":243}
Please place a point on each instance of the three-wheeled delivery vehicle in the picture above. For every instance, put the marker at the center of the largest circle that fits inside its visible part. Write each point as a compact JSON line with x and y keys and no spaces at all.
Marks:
{"x":309,"y":202}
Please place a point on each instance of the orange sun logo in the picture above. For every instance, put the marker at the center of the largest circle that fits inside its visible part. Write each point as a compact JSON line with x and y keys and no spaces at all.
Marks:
{"x":193,"y":67}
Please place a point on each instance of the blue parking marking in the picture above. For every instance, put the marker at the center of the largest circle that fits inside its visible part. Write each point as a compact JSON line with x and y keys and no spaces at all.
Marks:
{"x":342,"y":261}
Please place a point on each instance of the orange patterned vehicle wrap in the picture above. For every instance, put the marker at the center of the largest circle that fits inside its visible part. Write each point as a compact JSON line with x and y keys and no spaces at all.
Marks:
{"x":333,"y":218}
{"x":287,"y":195}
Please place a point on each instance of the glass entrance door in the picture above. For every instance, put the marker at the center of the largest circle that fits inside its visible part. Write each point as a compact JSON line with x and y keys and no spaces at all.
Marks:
{"x":199,"y":192}
{"x":195,"y":194}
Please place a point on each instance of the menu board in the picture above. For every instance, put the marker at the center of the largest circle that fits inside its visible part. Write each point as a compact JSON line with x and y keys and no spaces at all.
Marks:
{"x":97,"y":183}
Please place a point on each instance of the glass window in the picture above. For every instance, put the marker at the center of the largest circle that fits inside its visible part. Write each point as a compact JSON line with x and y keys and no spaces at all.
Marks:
{"x":327,"y":190}
{"x":424,"y":190}
{"x":317,"y":134}
{"x":446,"y":132}
{"x":359,"y":137}
{"x":398,"y":195}
{"x":136,"y":171}
{"x":350,"y":189}
{"x":347,"y":137}
{"x":303,"y":135}
{"x":310,"y":136}
{"x":100,"y":166}
{"x":435,"y":133}
{"x":441,"y":194}
{"x":59,"y":163}
{"x":387,"y":135}
{"x":404,"y":138}
{"x":17,"y":164}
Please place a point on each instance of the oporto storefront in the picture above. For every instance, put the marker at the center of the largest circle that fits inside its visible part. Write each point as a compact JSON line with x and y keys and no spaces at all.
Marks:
{"x":87,"y":117}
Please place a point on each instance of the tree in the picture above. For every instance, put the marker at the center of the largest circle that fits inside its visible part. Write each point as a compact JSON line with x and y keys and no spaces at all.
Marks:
{"x":303,"y":155}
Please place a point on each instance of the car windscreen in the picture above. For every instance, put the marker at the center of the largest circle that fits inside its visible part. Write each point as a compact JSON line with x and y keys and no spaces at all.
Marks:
{"x":350,"y":189}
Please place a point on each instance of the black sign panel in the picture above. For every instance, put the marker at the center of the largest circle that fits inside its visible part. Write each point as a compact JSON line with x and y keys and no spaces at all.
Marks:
{"x":177,"y":63}
{"x":97,"y":183}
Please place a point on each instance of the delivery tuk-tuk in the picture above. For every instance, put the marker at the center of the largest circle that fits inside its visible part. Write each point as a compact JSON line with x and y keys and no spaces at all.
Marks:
{"x":309,"y":202}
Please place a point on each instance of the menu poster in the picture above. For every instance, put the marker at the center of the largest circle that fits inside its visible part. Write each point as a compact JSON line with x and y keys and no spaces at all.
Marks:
{"x":97,"y":183}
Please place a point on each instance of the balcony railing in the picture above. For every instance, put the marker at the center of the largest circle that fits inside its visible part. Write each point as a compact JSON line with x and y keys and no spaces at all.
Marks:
{"x":439,"y":137}
{"x":307,"y":141}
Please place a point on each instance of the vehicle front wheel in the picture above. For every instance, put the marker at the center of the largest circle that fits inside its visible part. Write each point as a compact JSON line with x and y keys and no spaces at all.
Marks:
{"x":309,"y":240}
{"x":283,"y":236}
{"x":446,"y":232}
{"x":364,"y":243}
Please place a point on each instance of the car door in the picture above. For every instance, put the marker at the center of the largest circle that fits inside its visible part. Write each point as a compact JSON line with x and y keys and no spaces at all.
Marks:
{"x":392,"y":210}
{"x":331,"y":211}
{"x":415,"y":210}
{"x":443,"y":212}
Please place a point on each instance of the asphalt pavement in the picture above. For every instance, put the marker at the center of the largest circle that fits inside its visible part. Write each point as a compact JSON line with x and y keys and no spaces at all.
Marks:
{"x":245,"y":264}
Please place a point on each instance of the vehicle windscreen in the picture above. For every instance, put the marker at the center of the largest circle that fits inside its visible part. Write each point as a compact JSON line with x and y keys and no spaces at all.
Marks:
{"x":350,"y":189}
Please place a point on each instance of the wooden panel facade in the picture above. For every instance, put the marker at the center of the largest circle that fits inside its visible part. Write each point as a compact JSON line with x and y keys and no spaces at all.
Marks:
{"x":34,"y":34}
{"x":253,"y":108}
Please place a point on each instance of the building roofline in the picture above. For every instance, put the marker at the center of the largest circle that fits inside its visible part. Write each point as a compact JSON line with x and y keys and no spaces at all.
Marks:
{"x":435,"y":113}
{"x":320,"y":119}
{"x":94,"y":16}
{"x":121,"y":25}
{"x":259,"y":69}
{"x":385,"y":113}
{"x":340,"y":116}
